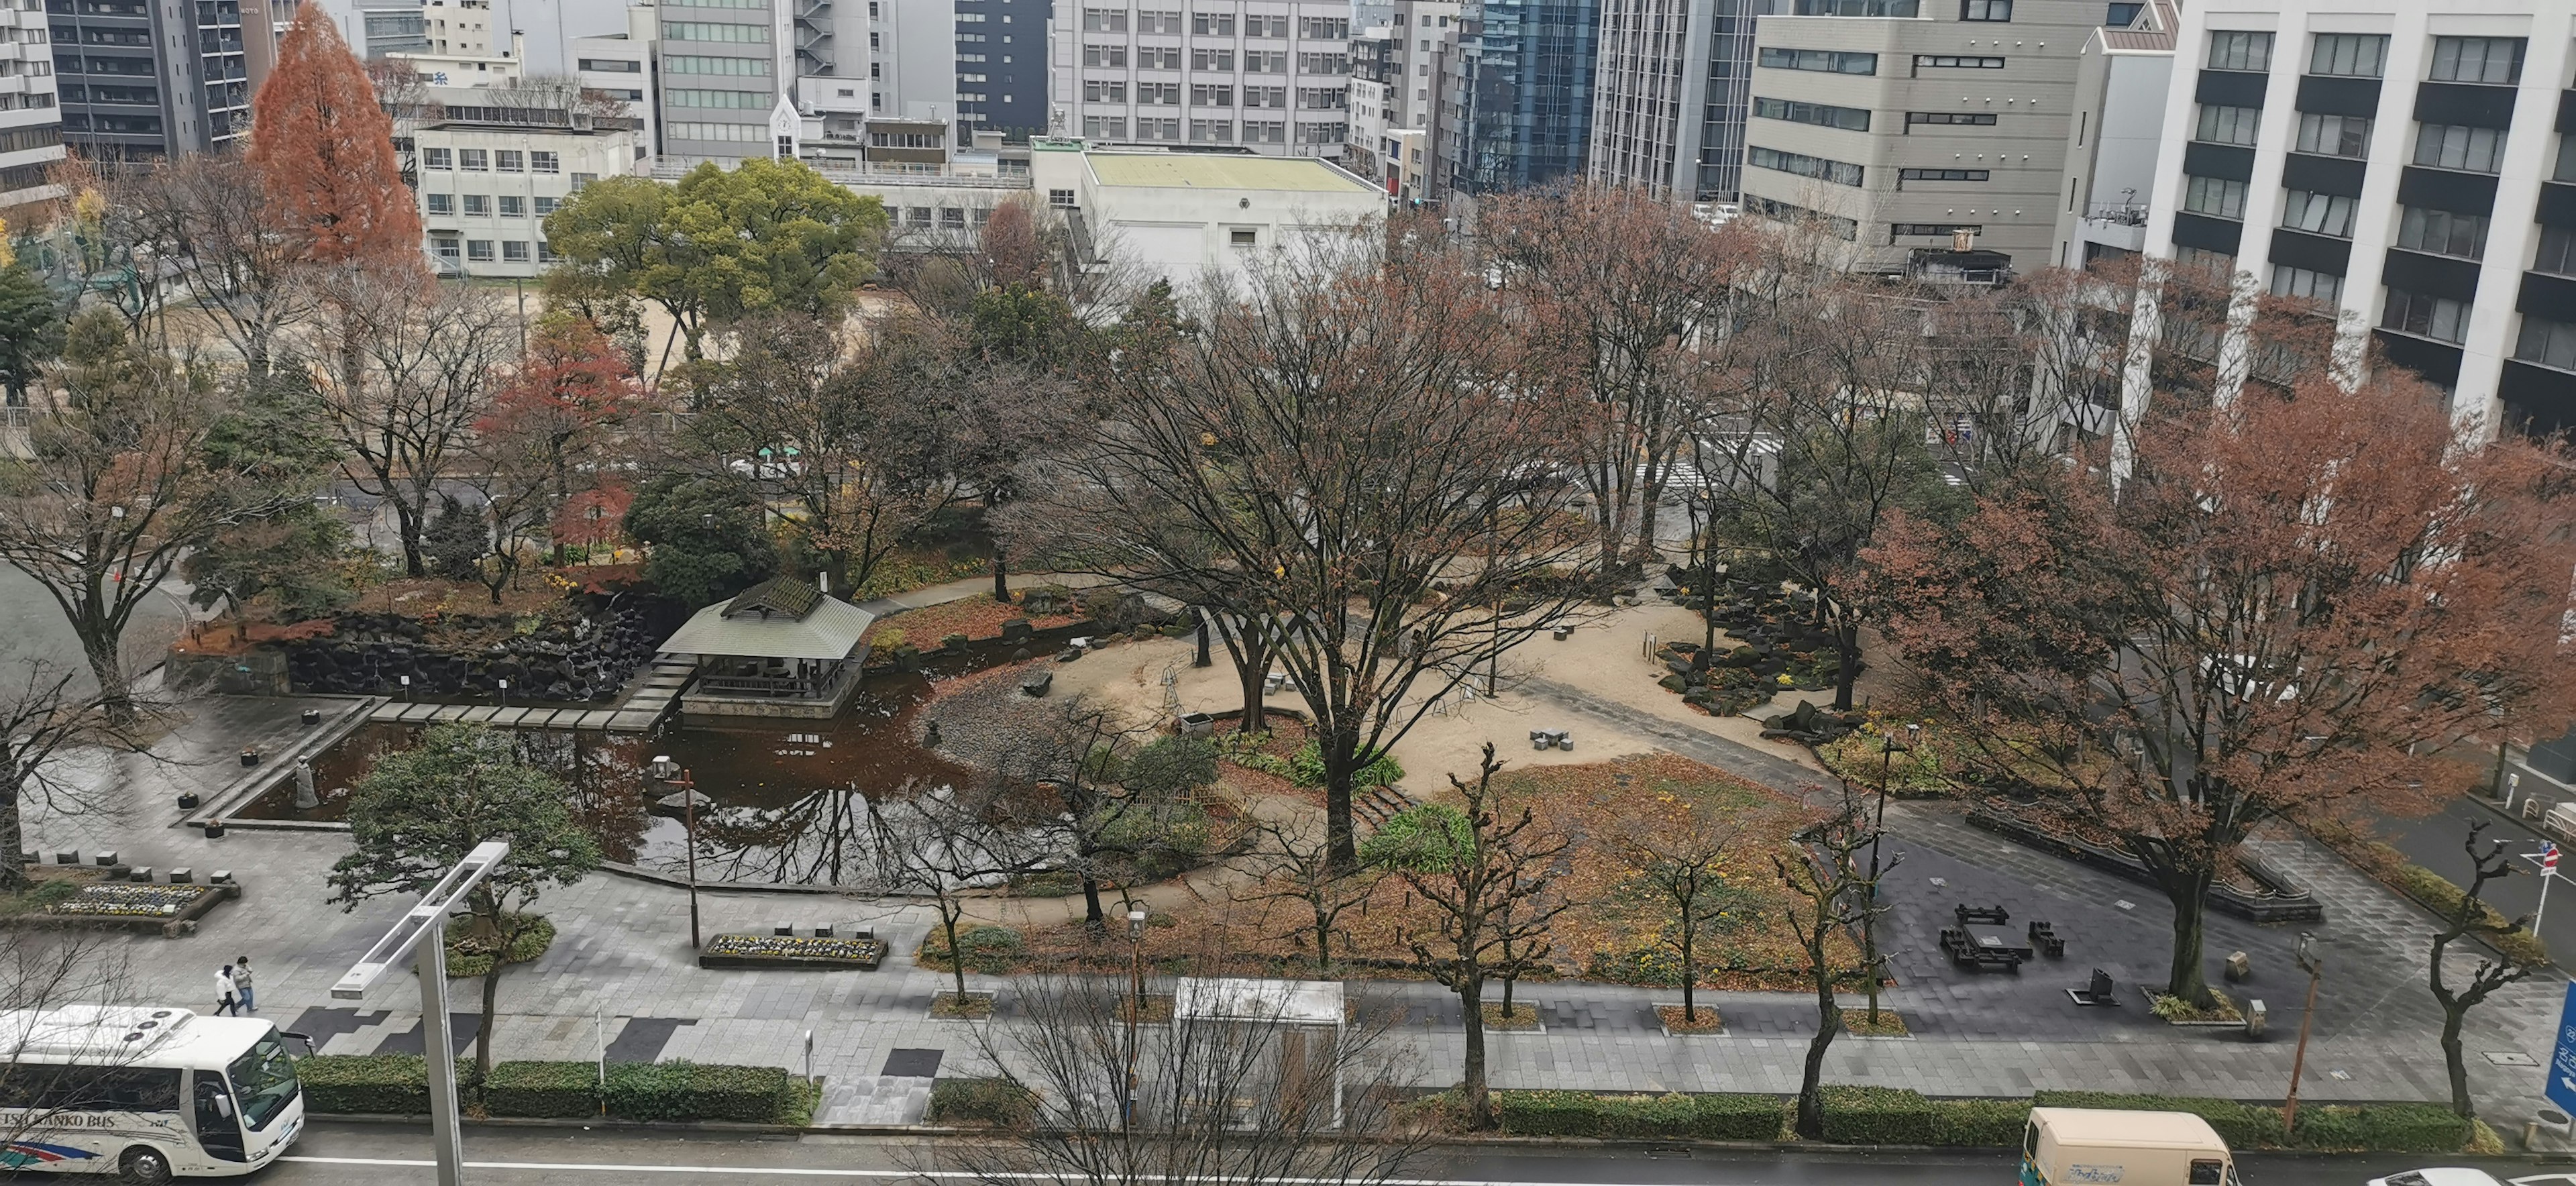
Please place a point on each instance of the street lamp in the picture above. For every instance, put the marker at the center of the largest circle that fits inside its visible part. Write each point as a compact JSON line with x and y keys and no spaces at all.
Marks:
{"x":1877,"y":830}
{"x":1135,"y":1012}
{"x":663,"y":769}
{"x":2314,"y":967}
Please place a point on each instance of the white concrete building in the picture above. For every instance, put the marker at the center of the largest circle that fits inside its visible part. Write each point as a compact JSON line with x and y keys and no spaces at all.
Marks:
{"x":1269,"y":75}
{"x":623,"y":65}
{"x":1184,"y":216}
{"x":2120,"y":85}
{"x":31,"y":119}
{"x":2409,"y":162}
{"x":475,"y":69}
{"x":486,"y":189}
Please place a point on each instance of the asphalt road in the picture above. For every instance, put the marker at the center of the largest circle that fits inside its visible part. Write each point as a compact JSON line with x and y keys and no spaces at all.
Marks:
{"x":391,"y":1155}
{"x":2437,"y":842}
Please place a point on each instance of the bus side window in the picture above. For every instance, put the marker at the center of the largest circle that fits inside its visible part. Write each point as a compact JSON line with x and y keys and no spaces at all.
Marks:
{"x":142,"y":1089}
{"x":2206,"y":1173}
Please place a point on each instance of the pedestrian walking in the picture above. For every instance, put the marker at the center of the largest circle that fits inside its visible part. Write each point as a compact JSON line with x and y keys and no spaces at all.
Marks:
{"x":224,"y":997}
{"x":241,"y":983}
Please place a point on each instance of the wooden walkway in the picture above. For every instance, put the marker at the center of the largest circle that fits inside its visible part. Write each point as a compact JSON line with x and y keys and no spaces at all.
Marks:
{"x":643,"y":704}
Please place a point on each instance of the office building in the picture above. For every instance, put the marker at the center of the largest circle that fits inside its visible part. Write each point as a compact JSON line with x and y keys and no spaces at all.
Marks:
{"x":1520,"y":94}
{"x":1929,"y":134}
{"x":1269,"y":75}
{"x":1670,"y":93}
{"x":1398,"y":66}
{"x":727,"y":69}
{"x":2120,"y":83}
{"x":621,"y":66}
{"x":31,"y":125}
{"x":1189,"y":216}
{"x":2411,"y":165}
{"x":380,"y":30}
{"x":486,"y":187}
{"x":139,"y":80}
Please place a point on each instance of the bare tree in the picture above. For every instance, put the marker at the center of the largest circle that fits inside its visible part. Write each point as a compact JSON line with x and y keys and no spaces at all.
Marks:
{"x":951,"y":842}
{"x":54,"y":986}
{"x":2472,"y":919}
{"x":1834,"y":894}
{"x":44,"y":712}
{"x":1488,"y":875}
{"x":205,"y":217}
{"x":1246,"y":1097}
{"x":1295,"y":865}
{"x":1676,"y":849}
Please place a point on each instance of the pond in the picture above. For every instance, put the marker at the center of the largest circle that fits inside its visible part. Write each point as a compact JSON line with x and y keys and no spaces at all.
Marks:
{"x":790,"y":798}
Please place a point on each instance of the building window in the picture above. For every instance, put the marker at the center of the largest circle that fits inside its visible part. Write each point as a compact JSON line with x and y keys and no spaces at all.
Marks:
{"x":716,"y":31}
{"x":2123,"y":13}
{"x":545,"y":205}
{"x":514,"y":251}
{"x":1848,"y":118}
{"x":2204,"y":260}
{"x":1061,"y":199}
{"x":2349,"y":55}
{"x":1985,"y":10}
{"x":441,"y":203}
{"x":1212,"y":131}
{"x":734,"y":100}
{"x":2240,"y":51}
{"x":1104,"y":20}
{"x":1841,"y":228}
{"x":2496,"y":61}
{"x":1221,"y":60}
{"x":1901,"y":8}
{"x":2456,"y":146}
{"x":1824,"y":60}
{"x":2442,"y":232}
{"x":705,"y":64}
{"x":1937,"y":230}
{"x":2334,"y":135}
{"x":479,"y":250}
{"x":1243,"y":238}
{"x":1955,"y":62}
{"x":2549,"y":343}
{"x":2557,"y":255}
{"x":1106,"y":56}
{"x":1158,"y":129}
{"x":445,"y":245}
{"x":544,"y":162}
{"x":2565,"y":168}
{"x":472,"y":160}
{"x":546,"y":253}
{"x":2215,"y":197}
{"x":581,"y":181}
{"x":477,"y":204}
{"x":1097,"y":127}
{"x":1259,"y":131}
{"x":952,"y":218}
{"x":513,"y":206}
{"x":2439,"y":318}
{"x":2317,"y":214}
{"x":2228,"y":125}
{"x":2303,"y":284}
{"x":1804,"y":165}
{"x":1904,"y":175}
{"x":509,"y":160}
{"x":1103,"y":92}
{"x":436,"y":158}
{"x":1220,"y":24}
{"x":1977,"y":119}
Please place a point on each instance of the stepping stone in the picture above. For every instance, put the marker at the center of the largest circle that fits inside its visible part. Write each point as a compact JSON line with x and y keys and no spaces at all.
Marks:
{"x":183,"y":875}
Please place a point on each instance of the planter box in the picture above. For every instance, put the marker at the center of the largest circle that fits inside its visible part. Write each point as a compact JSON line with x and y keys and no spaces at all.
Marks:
{"x":782,"y":951}
{"x":168,"y":926}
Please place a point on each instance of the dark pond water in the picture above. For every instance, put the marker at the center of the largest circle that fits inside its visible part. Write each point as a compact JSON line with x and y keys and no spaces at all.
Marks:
{"x":790,"y":798}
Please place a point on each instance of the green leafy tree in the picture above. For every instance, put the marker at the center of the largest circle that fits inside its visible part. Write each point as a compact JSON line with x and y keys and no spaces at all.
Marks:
{"x":724,"y":243}
{"x":289,"y":558}
{"x":1022,"y":325}
{"x":704,"y":536}
{"x":31,"y":328}
{"x":421,"y":810}
{"x":457,"y":541}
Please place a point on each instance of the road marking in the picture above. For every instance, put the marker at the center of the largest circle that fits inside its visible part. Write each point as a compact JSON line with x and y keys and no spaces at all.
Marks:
{"x":796,"y":1172}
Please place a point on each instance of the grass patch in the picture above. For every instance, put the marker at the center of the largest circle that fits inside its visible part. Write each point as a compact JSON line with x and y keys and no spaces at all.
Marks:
{"x":1523,"y":1017}
{"x":2220,"y":1008}
{"x":1708,"y":1022}
{"x":1890,"y":1025}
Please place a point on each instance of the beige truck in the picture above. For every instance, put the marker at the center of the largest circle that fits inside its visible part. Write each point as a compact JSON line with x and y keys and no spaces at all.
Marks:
{"x":2097,"y":1147}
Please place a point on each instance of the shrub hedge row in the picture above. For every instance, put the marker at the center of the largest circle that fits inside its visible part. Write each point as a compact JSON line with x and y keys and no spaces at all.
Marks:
{"x":398,"y":1084}
{"x":981,"y":1101}
{"x":1895,"y":1116}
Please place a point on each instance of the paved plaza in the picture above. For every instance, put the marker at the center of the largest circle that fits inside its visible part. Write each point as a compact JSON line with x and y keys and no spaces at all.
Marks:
{"x":620,"y":982}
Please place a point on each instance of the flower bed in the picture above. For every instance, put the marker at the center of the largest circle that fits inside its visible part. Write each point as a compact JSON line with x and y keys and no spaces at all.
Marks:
{"x":138,"y":901}
{"x":790,"y":951}
{"x":169,"y":910}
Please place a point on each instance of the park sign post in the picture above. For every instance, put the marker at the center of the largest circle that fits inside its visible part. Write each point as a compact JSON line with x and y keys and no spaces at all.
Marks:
{"x":2561,"y":1088}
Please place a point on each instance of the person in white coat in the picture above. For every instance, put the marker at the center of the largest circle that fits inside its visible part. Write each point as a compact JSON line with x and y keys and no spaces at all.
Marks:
{"x":224,"y":999}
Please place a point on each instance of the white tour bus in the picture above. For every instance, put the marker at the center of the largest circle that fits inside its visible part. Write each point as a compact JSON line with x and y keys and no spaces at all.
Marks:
{"x":147,"y":1093}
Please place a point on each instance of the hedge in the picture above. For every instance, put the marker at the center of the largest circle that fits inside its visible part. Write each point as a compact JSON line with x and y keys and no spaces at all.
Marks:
{"x":365,"y":1084}
{"x":2242,"y":1126}
{"x":2443,"y":896}
{"x":981,"y":1101}
{"x":561,"y":1090}
{"x":702,"y":1091}
{"x":1979,"y":1124}
{"x":1583,"y":1114}
{"x":1877,"y":1116}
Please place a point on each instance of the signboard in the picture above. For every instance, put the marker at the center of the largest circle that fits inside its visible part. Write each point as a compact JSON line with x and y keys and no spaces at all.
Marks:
{"x":2561,"y":1088}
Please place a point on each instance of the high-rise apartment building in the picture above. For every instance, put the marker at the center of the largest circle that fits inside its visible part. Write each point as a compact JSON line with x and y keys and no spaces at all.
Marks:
{"x":1520,"y":95}
{"x":1930,"y":134}
{"x":1398,"y":66}
{"x":2413,"y":164}
{"x":149,"y":79}
{"x":727,"y":67}
{"x":1269,"y":75}
{"x":1670,"y":93}
{"x":31,"y":124}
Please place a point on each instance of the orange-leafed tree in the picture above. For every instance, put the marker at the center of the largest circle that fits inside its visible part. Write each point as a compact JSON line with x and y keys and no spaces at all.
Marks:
{"x":2289,"y":611}
{"x":324,"y":151}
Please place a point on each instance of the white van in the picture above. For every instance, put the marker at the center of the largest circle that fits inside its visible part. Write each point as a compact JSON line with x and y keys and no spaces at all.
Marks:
{"x":147,"y":1093}
{"x":2097,"y":1147}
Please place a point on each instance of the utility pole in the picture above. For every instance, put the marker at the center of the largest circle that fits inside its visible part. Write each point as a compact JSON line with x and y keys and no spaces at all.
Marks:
{"x":2308,"y":963}
{"x":1135,"y":1014}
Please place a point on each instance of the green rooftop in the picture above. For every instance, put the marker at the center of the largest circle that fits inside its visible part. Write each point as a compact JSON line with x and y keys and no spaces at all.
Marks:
{"x":1191,"y":170}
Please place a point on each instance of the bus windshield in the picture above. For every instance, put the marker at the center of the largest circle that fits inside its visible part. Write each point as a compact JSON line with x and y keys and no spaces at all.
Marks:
{"x":263,"y":1081}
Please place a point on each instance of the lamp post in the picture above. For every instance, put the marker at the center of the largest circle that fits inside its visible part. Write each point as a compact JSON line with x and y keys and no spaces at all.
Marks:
{"x":2310,"y":964}
{"x":1877,"y":829}
{"x":1135,"y":1013}
{"x":671,"y":773}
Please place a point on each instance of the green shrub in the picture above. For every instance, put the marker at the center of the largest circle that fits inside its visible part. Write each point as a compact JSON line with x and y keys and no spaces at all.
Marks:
{"x":989,"y":1100}
{"x":702,"y":1091}
{"x":469,"y":956}
{"x":369,"y":1084}
{"x":1877,"y":1116}
{"x":2439,"y":893}
{"x":2242,"y":1126}
{"x":1584,"y":1114}
{"x":1548,"y":1113}
{"x":1988,"y":1124}
{"x":560,"y":1090}
{"x":1306,"y":769}
{"x":2382,"y":1128}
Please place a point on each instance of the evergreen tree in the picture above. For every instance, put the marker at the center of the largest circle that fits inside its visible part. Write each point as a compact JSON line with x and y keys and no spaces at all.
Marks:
{"x":31,"y":328}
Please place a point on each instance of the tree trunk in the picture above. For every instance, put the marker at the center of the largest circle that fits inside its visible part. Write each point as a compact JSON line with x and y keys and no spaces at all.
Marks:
{"x":2190,"y":895}
{"x":1093,"y":916}
{"x":99,"y":644}
{"x":1323,"y":946}
{"x":491,"y":1013}
{"x":1653,"y":494}
{"x":1811,"y":1089}
{"x":1256,"y":713}
{"x":1340,"y":850}
{"x":956,"y":955}
{"x":407,"y":525}
{"x":1001,"y":579}
{"x":1847,"y":667}
{"x":2452,"y":1016}
{"x":1690,"y":1012}
{"x":13,"y":866}
{"x":1471,"y":1080}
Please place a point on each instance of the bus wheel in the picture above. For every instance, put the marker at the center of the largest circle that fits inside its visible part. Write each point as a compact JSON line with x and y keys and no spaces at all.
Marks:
{"x":145,"y":1166}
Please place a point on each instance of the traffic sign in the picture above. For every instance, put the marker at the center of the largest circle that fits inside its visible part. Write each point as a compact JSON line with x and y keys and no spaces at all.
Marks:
{"x":2561,"y":1088}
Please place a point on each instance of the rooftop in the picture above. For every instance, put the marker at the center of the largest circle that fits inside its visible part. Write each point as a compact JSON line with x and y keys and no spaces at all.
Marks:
{"x":765,"y":622}
{"x":1190,"y":170}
